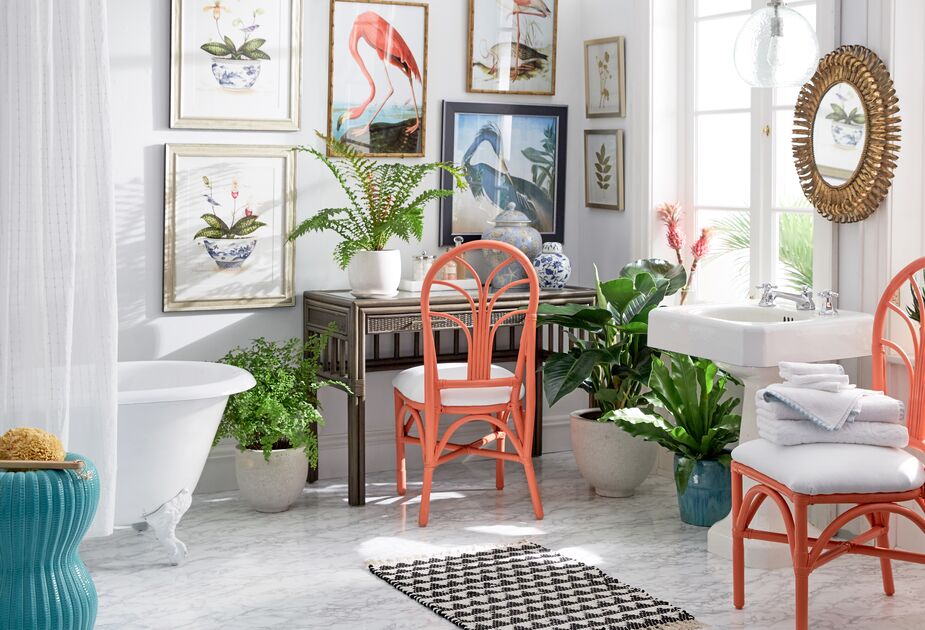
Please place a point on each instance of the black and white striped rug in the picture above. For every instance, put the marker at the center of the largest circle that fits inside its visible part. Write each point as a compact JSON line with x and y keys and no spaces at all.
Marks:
{"x":528,"y":587}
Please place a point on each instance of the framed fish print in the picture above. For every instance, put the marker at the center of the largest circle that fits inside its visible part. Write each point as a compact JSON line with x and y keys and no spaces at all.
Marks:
{"x":377,"y":76}
{"x":512,"y":46}
{"x":511,"y":154}
{"x":605,"y":77}
{"x":236,"y":64}
{"x":604,"y":183}
{"x":229,"y":210}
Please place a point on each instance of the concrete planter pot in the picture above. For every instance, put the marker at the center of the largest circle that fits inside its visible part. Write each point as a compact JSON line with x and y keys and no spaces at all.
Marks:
{"x":271,"y":486}
{"x":610,"y":459}
{"x":375,"y":274}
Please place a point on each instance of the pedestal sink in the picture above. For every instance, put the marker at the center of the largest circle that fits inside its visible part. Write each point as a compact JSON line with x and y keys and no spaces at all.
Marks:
{"x":749,"y":341}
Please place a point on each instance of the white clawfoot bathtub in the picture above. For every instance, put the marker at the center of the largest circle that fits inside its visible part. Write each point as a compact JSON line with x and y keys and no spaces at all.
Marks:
{"x":168,"y":414}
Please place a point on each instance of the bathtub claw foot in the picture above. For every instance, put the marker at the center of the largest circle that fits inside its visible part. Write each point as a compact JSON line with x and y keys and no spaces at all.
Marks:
{"x":164,"y":522}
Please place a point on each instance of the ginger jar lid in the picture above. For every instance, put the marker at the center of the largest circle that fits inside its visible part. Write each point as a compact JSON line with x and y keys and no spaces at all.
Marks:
{"x":511,"y":217}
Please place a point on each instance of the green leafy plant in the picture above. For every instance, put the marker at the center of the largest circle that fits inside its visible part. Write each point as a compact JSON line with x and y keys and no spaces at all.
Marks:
{"x":380,"y":198}
{"x":543,"y":161}
{"x":614,"y":362}
{"x":913,"y":310}
{"x":216,"y":227}
{"x":225,"y":46}
{"x":838,"y":114}
{"x":281,"y":409}
{"x":602,"y":168}
{"x":705,"y":422}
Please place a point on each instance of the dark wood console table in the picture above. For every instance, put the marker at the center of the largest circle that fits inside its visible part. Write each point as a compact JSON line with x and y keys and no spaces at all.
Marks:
{"x":385,"y":334}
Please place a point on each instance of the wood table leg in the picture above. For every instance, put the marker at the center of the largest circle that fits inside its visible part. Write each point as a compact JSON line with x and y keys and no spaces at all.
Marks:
{"x":356,"y":449}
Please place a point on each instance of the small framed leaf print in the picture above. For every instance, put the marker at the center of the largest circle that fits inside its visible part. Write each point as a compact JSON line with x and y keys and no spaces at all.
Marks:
{"x":604,"y":184}
{"x":605,"y":78}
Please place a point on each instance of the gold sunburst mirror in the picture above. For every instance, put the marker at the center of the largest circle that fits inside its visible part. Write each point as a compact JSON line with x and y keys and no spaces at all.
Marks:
{"x":846,"y":134}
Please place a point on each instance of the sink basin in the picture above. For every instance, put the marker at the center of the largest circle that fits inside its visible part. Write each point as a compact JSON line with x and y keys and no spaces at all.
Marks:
{"x":749,"y":335}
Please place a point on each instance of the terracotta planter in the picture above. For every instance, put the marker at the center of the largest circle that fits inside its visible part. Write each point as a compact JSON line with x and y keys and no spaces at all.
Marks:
{"x":610,"y":459}
{"x":271,"y":486}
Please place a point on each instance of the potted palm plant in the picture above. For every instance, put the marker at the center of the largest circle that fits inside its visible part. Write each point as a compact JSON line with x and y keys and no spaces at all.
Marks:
{"x":611,"y":361}
{"x":381,"y":205}
{"x":704,"y":421}
{"x":273,"y":423}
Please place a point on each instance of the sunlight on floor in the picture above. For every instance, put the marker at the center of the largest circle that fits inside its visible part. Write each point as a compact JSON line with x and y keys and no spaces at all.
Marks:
{"x":506,"y":530}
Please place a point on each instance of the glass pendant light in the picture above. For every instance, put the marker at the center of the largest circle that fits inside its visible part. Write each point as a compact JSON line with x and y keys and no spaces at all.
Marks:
{"x":776,"y":47}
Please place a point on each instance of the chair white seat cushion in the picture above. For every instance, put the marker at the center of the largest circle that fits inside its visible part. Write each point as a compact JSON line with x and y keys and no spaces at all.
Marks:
{"x":816,"y":469}
{"x":411,"y":384}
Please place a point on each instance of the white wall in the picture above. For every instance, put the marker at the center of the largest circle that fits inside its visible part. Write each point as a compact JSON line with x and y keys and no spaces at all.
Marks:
{"x":139,"y":42}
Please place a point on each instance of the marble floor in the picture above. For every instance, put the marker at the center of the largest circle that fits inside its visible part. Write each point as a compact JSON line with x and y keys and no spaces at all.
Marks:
{"x":304,"y":569}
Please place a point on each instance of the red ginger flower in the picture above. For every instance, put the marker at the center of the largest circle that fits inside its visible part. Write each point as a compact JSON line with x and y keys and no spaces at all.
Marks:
{"x":702,"y":246}
{"x":671,"y":215}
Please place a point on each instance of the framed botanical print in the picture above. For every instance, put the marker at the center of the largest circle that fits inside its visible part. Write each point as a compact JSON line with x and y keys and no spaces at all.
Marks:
{"x":377,"y":76}
{"x":236,"y":64}
{"x":604,"y":183}
{"x":229,"y":210}
{"x":511,"y":154}
{"x":512,"y":46}
{"x":605,"y":77}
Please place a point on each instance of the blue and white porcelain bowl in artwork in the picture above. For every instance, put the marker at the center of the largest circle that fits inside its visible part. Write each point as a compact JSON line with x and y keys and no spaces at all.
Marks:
{"x":553,"y":268}
{"x":846,"y":135}
{"x":235,"y":74}
{"x":229,"y":253}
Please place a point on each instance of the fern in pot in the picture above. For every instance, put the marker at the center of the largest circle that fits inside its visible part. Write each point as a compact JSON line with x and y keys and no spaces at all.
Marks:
{"x":611,"y":361}
{"x":273,"y":424}
{"x":382,"y":204}
{"x":700,"y":422}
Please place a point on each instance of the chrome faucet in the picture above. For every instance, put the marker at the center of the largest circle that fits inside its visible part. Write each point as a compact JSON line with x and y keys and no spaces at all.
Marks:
{"x":803,"y":299}
{"x":828,"y":307}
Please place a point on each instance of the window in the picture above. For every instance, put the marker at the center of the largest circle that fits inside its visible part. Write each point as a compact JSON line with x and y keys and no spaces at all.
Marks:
{"x":741,"y":180}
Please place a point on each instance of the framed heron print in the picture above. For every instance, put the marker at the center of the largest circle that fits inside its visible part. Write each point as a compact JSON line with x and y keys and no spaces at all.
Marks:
{"x":377,"y":83}
{"x":512,"y":46}
{"x":229,"y":210}
{"x":236,"y":64}
{"x":511,"y":154}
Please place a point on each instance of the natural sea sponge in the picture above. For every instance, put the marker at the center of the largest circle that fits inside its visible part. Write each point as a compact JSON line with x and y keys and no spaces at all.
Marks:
{"x":24,"y":443}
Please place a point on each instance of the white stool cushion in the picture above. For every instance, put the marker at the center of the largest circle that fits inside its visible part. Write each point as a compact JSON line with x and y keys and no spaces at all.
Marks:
{"x":411,"y":384}
{"x":815,"y":469}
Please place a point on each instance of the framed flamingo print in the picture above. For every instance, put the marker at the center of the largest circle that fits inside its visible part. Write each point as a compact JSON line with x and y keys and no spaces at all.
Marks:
{"x":229,"y":210}
{"x":512,"y":46}
{"x":236,"y":64}
{"x":377,"y":83}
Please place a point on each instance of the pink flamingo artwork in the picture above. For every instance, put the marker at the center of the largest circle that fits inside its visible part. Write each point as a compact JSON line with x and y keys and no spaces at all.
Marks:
{"x":392,"y":49}
{"x":537,"y":8}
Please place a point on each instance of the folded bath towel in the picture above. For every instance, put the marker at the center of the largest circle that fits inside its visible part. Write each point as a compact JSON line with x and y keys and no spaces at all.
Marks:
{"x":830,"y":410}
{"x":791,"y":433}
{"x":872,"y":407}
{"x":824,"y":382}
{"x":789,"y":369}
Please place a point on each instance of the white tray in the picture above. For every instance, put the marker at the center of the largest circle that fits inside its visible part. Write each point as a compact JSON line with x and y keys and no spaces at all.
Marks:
{"x":415,"y":286}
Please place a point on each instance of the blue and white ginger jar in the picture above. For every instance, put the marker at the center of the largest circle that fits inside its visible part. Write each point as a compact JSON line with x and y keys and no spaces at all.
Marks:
{"x":552,"y":267}
{"x":514,"y":228}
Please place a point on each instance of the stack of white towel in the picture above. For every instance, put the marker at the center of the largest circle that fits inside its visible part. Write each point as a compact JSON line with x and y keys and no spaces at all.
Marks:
{"x":816,"y":403}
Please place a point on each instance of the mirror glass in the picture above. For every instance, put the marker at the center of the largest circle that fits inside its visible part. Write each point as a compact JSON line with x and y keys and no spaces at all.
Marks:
{"x":839,"y":132}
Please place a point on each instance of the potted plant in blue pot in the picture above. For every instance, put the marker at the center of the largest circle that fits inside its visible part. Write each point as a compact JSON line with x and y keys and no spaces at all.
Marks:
{"x":704,"y":421}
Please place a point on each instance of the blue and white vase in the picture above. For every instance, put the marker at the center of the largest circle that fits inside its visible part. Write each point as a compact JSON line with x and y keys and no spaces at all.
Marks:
{"x":514,"y":228}
{"x":229,"y":253}
{"x":235,"y":74}
{"x":553,"y":268}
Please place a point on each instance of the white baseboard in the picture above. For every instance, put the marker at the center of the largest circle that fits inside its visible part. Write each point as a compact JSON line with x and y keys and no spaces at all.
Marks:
{"x":218,"y":474}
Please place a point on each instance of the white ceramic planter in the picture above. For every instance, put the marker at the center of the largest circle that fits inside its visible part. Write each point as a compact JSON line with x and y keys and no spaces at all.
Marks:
{"x":271,"y":486}
{"x":375,"y":274}
{"x":609,"y":458}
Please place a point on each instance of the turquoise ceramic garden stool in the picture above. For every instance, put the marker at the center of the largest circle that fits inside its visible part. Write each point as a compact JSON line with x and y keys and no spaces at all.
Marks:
{"x":44,"y":515}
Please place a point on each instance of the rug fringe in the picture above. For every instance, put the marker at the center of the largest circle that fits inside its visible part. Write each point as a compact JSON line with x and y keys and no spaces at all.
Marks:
{"x":455,"y":551}
{"x":681,"y":625}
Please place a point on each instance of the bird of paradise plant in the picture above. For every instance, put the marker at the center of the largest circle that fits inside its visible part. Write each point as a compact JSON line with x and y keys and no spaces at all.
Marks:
{"x":672,"y":216}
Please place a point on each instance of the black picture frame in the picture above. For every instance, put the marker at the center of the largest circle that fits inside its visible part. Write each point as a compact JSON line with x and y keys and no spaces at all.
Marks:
{"x":551,"y":220}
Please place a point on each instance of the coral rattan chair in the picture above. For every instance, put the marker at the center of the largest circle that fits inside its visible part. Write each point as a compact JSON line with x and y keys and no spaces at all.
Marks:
{"x":873,"y":479}
{"x":477,"y":391}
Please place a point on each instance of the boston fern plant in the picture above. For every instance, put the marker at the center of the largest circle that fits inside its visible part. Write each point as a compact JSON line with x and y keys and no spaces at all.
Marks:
{"x":613,"y":362}
{"x":381,"y":201}
{"x":281,"y":409}
{"x":704,"y":419}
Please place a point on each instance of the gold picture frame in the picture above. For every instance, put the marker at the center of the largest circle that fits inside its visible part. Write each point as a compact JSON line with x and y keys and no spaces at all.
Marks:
{"x":422,"y":117}
{"x":606,"y":171}
{"x":552,"y":60}
{"x":618,"y":74}
{"x":865,"y":186}
{"x":193,"y":185}
{"x":179,"y":57}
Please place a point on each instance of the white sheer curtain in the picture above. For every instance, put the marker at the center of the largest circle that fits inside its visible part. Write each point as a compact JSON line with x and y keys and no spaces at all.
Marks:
{"x":58,"y":320}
